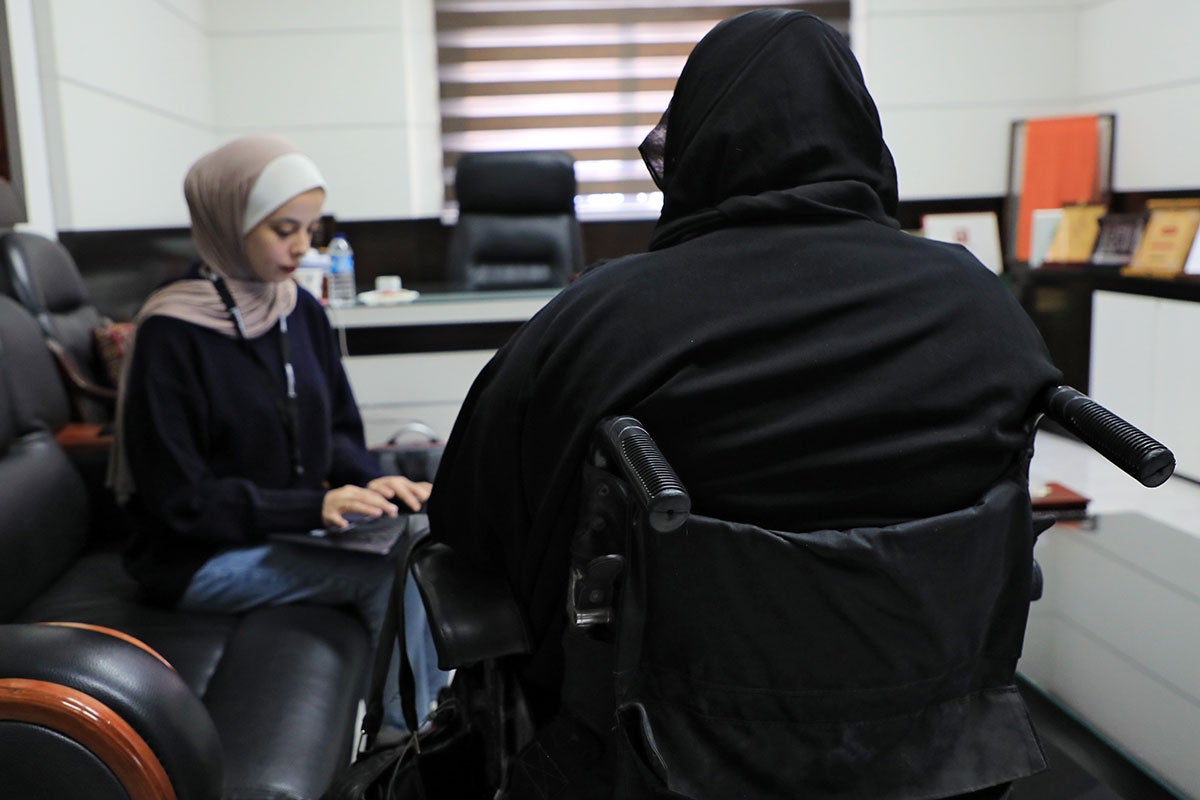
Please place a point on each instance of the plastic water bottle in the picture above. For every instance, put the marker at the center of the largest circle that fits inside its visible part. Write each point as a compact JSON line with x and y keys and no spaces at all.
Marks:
{"x":342,"y":291}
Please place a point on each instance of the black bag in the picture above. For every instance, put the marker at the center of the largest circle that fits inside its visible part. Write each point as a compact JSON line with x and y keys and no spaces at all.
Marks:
{"x":443,"y":760}
{"x":414,"y":451}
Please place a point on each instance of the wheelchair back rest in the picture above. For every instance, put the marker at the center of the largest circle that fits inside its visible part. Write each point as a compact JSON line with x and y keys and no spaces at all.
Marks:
{"x":863,"y":610}
{"x":768,"y":664}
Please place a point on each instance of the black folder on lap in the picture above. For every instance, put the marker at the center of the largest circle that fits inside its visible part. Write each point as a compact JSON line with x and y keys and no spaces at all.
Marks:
{"x":378,"y":535}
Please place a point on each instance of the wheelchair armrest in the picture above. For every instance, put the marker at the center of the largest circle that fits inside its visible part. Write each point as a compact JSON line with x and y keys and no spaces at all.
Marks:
{"x":472,"y":613}
{"x":1139,"y":455}
{"x":78,"y":701}
{"x":625,"y":448}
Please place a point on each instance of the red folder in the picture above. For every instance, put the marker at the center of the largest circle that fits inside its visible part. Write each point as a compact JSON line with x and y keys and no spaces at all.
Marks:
{"x":1058,"y":500}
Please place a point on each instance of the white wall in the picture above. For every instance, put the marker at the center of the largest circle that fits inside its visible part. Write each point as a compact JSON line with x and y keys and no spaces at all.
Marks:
{"x":131,"y":91}
{"x":1138,"y":58}
{"x":950,"y":75}
{"x":127,"y":106}
{"x":354,"y":84}
{"x":134,"y":90}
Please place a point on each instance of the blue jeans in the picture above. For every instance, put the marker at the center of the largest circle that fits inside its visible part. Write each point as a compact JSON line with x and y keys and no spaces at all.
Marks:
{"x":278,"y":573}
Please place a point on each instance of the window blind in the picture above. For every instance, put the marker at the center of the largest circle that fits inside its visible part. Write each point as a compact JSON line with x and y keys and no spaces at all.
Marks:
{"x":590,"y":77}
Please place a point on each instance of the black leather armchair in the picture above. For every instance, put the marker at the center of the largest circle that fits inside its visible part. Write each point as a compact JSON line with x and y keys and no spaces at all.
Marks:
{"x":40,"y":274}
{"x":253,"y":706}
{"x":87,"y":712}
{"x":516,"y":221}
{"x":44,"y":399}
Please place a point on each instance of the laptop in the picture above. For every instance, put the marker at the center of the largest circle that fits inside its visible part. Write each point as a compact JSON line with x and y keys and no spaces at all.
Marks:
{"x":377,"y":535}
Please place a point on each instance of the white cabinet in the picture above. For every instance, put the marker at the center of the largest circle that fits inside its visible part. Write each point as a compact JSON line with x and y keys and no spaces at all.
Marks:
{"x":429,"y":388}
{"x":1145,"y":367}
{"x":397,"y":374}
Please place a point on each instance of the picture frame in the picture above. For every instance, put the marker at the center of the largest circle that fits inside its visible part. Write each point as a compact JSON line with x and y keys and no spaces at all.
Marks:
{"x":1019,"y":206}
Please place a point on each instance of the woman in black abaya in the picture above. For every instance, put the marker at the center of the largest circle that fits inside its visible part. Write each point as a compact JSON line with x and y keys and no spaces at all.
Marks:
{"x":802,"y":362}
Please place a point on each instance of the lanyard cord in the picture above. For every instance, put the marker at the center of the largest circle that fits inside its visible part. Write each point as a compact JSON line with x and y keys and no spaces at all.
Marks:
{"x":289,"y":409}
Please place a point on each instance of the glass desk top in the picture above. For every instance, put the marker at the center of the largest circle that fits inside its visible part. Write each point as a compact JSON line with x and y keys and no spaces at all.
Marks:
{"x":444,"y":308}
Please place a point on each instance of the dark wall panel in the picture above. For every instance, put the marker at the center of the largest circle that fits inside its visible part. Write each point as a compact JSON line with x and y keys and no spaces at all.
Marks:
{"x":121,"y":267}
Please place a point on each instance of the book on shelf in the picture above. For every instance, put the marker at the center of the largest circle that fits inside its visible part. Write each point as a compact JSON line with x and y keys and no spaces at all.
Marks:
{"x":978,"y":231}
{"x":1075,"y":237}
{"x":1044,"y":226}
{"x":1165,"y":243}
{"x":1118,"y":239}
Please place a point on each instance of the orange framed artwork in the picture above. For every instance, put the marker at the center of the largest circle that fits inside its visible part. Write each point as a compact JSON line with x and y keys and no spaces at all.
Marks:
{"x":1055,"y":162}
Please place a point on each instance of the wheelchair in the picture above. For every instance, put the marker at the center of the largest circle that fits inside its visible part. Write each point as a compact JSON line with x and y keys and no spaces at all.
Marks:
{"x":710,"y":659}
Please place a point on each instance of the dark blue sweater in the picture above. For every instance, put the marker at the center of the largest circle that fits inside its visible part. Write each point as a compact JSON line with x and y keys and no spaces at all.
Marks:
{"x":208,"y":444}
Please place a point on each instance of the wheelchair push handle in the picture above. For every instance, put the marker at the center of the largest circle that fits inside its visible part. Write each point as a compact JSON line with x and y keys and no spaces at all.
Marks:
{"x":636,"y":458}
{"x":1141,"y":456}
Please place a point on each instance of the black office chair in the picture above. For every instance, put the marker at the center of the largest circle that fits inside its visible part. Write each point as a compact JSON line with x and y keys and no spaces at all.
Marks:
{"x":43,"y":399}
{"x":516,"y":221}
{"x":712,"y":659}
{"x":40,"y":274}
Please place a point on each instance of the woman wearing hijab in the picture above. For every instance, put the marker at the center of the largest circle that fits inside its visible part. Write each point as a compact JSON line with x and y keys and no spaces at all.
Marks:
{"x":803,"y":364}
{"x":237,"y":419}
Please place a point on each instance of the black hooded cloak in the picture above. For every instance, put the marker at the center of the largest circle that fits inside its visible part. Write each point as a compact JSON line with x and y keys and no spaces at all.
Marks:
{"x":802,"y":363}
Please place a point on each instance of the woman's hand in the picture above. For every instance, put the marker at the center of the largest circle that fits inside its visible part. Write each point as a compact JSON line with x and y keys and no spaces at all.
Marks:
{"x":354,"y":500}
{"x":396,"y":487}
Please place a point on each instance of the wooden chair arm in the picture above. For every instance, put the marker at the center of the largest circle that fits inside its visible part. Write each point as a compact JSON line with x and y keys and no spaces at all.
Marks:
{"x":124,"y":708}
{"x":93,"y":725}
{"x":75,"y":378}
{"x":83,"y":436}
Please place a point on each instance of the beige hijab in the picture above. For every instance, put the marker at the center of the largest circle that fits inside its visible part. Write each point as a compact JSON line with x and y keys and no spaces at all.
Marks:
{"x":228,"y":191}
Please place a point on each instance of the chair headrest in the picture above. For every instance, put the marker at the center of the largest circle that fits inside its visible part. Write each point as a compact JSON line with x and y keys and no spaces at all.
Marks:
{"x":517,"y":182}
{"x":42,"y":273}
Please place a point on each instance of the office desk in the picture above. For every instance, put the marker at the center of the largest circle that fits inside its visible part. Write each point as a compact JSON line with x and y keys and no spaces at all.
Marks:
{"x":416,"y":361}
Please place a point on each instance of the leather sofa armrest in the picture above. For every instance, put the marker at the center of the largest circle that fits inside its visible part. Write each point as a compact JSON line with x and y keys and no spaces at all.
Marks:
{"x":472,"y":613}
{"x":78,"y":701}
